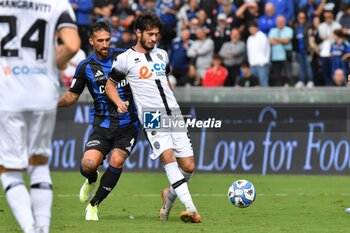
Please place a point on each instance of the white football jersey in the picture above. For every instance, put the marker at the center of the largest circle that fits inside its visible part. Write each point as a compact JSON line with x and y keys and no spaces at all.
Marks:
{"x":147,"y":77}
{"x":28,"y":73}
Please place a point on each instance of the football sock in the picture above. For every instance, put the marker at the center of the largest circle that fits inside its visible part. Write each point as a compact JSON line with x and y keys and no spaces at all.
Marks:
{"x":171,"y":197}
{"x":18,"y":198}
{"x":91,"y":176}
{"x":179,"y":184}
{"x":41,"y":195}
{"x":108,"y":181}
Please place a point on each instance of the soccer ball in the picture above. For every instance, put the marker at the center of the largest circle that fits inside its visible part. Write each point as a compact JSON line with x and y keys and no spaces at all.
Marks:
{"x":242,"y":193}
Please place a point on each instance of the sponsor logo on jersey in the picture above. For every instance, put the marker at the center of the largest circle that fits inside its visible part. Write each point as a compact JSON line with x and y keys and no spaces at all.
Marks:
{"x":93,"y":143}
{"x":26,"y":70}
{"x":152,"y":120}
{"x":158,"y":69}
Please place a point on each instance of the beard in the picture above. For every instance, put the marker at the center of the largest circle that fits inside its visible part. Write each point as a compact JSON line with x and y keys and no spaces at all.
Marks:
{"x":104,"y":52}
{"x":143,"y":44}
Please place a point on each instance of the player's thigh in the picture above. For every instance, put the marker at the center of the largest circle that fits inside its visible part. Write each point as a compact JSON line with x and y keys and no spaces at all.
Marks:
{"x":97,"y":147}
{"x":124,"y":138}
{"x":41,"y":125}
{"x":159,"y":141}
{"x":13,"y":140}
{"x":182,"y":144}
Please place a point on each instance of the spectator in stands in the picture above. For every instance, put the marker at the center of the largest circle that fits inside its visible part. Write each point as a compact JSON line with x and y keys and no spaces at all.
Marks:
{"x":186,"y":13}
{"x":116,"y":31}
{"x":339,"y":51}
{"x":103,"y":9}
{"x":312,"y":7}
{"x":192,"y":78}
{"x":204,"y":21}
{"x":127,"y":41}
{"x":246,"y":13}
{"x":150,"y":5}
{"x":314,"y":41}
{"x":233,"y":53}
{"x":344,"y":20}
{"x":221,"y":33}
{"x":247,"y":79}
{"x":258,"y":51}
{"x":325,"y":31}
{"x":302,"y":48}
{"x":139,"y":6}
{"x":216,"y":75}
{"x":82,"y":10}
{"x":283,"y":7}
{"x":280,"y":39}
{"x":178,"y":59}
{"x":201,"y":52}
{"x":339,"y":78}
{"x":210,"y":7}
{"x":125,"y":13}
{"x":166,"y":9}
{"x":268,"y":20}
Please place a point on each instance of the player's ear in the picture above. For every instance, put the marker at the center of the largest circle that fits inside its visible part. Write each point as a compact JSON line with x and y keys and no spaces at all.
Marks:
{"x":138,"y":33}
{"x":91,"y":41}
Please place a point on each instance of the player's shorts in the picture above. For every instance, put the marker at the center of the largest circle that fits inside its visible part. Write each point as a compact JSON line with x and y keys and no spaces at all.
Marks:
{"x":23,"y":134}
{"x":106,"y":139}
{"x":180,"y":142}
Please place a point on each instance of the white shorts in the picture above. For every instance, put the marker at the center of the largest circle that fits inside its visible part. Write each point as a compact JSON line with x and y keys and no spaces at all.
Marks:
{"x":178,"y":141}
{"x":23,"y":134}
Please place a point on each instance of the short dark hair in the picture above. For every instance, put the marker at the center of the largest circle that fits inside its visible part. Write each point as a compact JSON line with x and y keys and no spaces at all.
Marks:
{"x":147,"y":21}
{"x":253,"y":24}
{"x":245,"y":64}
{"x":98,"y":26}
{"x":339,"y":33}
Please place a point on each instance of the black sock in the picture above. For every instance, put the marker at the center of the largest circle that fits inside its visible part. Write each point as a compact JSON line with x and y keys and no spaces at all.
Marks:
{"x":92,"y":177}
{"x":108,"y":181}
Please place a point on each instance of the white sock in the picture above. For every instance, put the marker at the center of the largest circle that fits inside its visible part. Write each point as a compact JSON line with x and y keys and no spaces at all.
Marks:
{"x":175,"y":176}
{"x":41,"y":195}
{"x":19,"y":200}
{"x":171,"y":197}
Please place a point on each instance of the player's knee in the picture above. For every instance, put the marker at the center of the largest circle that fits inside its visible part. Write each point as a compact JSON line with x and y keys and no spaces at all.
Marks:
{"x":35,"y":160}
{"x":88,"y":165}
{"x":189,"y":167}
{"x":118,"y":158}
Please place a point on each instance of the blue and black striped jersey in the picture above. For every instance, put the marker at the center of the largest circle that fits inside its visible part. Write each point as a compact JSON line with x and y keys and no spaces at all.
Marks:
{"x":93,"y":72}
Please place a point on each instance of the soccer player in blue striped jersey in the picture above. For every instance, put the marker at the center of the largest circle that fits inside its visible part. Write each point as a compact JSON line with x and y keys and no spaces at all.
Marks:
{"x":111,"y":131}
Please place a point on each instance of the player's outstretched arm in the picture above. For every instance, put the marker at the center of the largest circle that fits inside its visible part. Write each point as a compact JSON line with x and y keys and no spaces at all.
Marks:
{"x":112,"y":93}
{"x":68,"y":99}
{"x":70,"y":46}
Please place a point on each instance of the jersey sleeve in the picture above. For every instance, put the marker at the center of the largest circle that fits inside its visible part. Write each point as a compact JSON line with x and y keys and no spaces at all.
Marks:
{"x":79,"y":79}
{"x":119,"y":69}
{"x":66,"y":19}
{"x":168,"y":70}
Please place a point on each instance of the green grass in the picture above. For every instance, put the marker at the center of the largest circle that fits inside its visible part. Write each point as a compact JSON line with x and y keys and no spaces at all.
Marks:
{"x":283,"y":204}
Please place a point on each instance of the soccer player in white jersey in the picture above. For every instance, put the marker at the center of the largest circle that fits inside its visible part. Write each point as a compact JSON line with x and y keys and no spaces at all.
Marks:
{"x":146,"y":68}
{"x":29,"y":91}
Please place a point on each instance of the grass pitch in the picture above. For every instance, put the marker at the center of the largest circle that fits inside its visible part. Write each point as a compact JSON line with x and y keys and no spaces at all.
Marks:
{"x":283,"y":204}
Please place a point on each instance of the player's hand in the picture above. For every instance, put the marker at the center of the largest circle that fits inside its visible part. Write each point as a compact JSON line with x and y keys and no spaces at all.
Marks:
{"x":349,"y":80}
{"x":123,"y":106}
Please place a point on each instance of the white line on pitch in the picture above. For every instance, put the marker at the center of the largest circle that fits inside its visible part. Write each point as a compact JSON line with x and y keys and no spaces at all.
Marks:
{"x":153,"y":195}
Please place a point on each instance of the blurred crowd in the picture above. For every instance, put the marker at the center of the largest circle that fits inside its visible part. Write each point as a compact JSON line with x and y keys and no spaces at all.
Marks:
{"x":301,"y":43}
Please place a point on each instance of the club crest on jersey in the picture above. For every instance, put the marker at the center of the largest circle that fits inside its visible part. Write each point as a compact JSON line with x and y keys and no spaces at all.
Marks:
{"x":158,"y":69}
{"x":152,"y":119}
{"x":160,"y":56}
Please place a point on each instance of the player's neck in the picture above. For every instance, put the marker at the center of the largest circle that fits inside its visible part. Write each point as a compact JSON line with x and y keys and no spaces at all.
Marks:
{"x":138,"y":48}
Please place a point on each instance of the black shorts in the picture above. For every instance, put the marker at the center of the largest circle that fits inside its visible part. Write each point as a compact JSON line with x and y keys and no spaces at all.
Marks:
{"x":106,"y":139}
